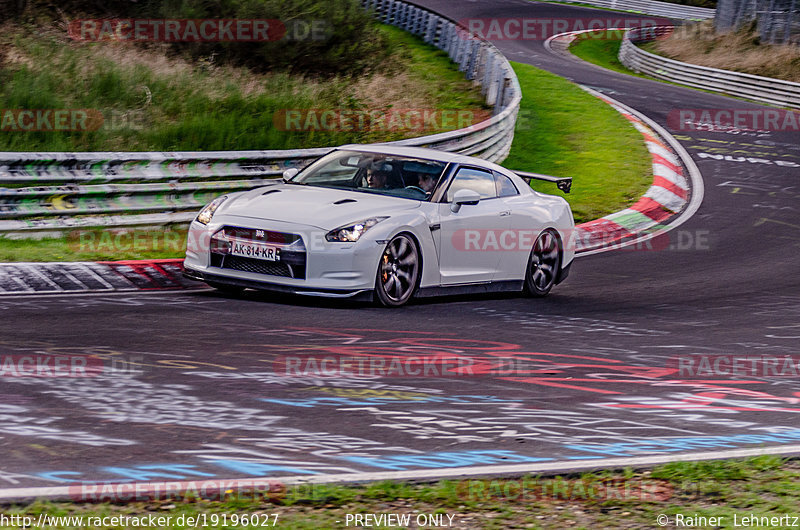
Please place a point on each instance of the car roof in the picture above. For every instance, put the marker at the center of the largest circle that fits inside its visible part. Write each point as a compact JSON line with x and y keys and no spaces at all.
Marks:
{"x":419,"y":152}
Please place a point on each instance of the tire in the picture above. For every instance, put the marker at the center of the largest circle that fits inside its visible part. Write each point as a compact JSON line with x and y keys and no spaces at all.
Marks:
{"x":544,"y":263}
{"x":226,"y":289}
{"x":398,"y":272}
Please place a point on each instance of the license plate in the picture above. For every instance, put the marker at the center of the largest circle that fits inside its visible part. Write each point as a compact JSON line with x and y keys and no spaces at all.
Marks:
{"x":249,"y":249}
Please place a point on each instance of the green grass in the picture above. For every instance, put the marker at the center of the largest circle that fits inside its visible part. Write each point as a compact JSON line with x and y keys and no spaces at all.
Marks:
{"x":154,"y":102}
{"x":762,"y":486}
{"x":601,"y":48}
{"x":566,"y":132}
{"x":97,"y":245}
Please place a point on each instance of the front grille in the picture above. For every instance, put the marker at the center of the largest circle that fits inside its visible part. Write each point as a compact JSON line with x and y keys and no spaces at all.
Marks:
{"x":259,"y":266}
{"x":265,"y":236}
{"x":292,"y":263}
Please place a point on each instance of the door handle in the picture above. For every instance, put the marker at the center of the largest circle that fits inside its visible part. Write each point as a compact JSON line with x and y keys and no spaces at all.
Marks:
{"x":503,"y":214}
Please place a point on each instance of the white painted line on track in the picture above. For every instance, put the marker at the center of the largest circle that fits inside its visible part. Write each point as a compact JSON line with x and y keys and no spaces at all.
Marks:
{"x":425,"y":475}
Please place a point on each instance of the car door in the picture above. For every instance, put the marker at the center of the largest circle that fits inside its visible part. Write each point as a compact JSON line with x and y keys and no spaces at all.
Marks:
{"x":517,"y":242}
{"x":468,"y":249}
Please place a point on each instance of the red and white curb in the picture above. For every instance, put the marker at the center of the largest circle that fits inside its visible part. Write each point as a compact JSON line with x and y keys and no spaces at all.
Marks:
{"x":104,"y":276}
{"x":674,"y":196}
{"x":667,"y":196}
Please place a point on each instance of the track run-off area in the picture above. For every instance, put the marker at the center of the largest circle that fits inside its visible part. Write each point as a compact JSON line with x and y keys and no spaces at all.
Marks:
{"x":608,"y":370}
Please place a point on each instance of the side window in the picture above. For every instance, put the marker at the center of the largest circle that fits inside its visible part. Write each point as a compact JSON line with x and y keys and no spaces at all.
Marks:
{"x":505,"y":188}
{"x":473,"y":179}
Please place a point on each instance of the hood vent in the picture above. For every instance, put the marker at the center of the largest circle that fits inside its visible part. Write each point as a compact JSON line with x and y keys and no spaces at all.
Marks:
{"x":343,"y":201}
{"x":270,"y":191}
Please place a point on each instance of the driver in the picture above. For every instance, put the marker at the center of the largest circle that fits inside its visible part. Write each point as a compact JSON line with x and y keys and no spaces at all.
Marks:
{"x":378,"y":176}
{"x":426,"y":182}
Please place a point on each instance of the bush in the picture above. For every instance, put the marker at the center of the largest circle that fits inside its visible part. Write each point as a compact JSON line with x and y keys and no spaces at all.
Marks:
{"x":347,"y":43}
{"x":344,"y":40}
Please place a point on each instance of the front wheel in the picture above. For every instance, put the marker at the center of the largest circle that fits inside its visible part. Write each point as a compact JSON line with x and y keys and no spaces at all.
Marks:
{"x":543,"y":264}
{"x":398,"y":272}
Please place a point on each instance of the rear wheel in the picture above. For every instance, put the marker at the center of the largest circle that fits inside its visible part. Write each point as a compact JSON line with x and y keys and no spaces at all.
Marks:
{"x":543,"y":264}
{"x":398,"y":272}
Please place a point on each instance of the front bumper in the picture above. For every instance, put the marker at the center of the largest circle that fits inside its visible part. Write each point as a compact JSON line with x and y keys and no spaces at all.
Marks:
{"x":316,"y":266}
{"x":362,"y":294}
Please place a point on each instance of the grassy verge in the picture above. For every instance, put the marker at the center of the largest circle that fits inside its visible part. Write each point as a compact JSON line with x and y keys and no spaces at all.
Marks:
{"x":564,"y":131}
{"x":151,"y":100}
{"x":601,"y":48}
{"x":740,"y":51}
{"x":97,"y":245}
{"x":762,"y":487}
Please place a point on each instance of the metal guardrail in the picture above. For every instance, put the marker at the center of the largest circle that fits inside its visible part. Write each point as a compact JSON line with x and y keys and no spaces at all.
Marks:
{"x":61,"y":191}
{"x":757,"y":88}
{"x":652,"y":7}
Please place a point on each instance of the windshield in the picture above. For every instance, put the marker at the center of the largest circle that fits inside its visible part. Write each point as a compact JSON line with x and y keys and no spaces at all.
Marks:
{"x":398,"y":176}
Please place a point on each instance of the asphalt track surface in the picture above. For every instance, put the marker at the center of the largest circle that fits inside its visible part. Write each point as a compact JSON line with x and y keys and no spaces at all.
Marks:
{"x":195,"y":385}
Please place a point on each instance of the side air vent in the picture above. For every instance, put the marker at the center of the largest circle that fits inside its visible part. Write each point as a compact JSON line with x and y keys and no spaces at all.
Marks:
{"x":343,"y":201}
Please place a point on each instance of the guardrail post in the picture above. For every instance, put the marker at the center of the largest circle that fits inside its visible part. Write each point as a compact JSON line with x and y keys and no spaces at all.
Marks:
{"x":491,"y":84}
{"x":463,"y":47}
{"x":430,"y":27}
{"x":442,"y":35}
{"x":416,"y":18}
{"x":404,"y":10}
{"x":447,"y":47}
{"x":474,"y":49}
{"x":454,"y":43}
{"x":486,"y":85}
{"x":501,"y":86}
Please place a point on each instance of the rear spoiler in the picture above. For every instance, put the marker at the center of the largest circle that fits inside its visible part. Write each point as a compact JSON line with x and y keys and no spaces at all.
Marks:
{"x":563,"y":183}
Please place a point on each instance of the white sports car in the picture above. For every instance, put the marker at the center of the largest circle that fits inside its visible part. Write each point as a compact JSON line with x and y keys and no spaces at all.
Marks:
{"x":389,"y":223}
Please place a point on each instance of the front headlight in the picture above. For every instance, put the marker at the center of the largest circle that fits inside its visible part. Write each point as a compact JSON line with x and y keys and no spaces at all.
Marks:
{"x":352,"y":232}
{"x":205,"y":215}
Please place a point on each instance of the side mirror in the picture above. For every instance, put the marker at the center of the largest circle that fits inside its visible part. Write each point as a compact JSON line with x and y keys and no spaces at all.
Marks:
{"x":290,"y":173}
{"x":463,"y":197}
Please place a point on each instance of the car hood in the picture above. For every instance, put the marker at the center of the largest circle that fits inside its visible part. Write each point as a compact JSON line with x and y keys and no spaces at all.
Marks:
{"x":323,"y":208}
